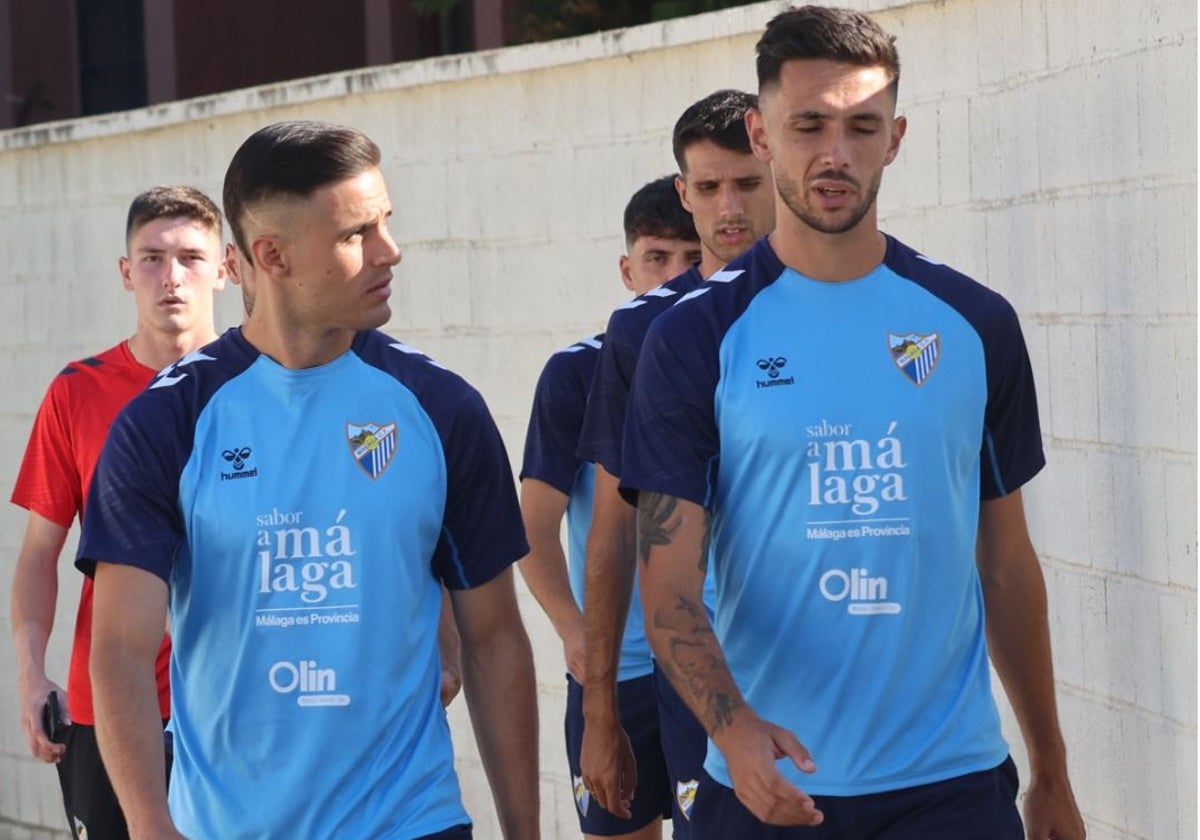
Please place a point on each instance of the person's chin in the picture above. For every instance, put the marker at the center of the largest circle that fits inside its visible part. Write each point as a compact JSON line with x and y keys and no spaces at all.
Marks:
{"x":378,"y":316}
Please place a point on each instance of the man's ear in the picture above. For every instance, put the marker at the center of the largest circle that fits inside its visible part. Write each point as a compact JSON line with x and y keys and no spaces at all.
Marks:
{"x":899,"y":126}
{"x":681,"y":188}
{"x":230,"y":263}
{"x":756,"y":128}
{"x":124,"y":266}
{"x":268,"y":254}
{"x":626,"y":277}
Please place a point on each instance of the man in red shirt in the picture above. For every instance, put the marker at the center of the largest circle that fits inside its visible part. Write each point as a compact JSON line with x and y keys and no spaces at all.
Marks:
{"x":173,"y":265}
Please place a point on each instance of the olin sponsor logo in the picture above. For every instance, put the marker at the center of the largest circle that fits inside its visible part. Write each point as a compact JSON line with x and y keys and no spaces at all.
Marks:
{"x":312,"y":684}
{"x":863,"y":594}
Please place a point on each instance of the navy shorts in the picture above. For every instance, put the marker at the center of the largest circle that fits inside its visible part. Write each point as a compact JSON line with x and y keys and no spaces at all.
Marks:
{"x":459,"y":832}
{"x":684,"y":745}
{"x":638,"y":709}
{"x":977,"y":806}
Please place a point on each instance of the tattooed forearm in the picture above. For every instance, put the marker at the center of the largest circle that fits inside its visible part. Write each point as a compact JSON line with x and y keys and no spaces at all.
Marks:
{"x":695,"y":665}
{"x":656,"y":522}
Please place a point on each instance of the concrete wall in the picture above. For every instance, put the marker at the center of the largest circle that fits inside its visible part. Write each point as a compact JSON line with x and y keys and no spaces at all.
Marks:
{"x":1051,"y":153}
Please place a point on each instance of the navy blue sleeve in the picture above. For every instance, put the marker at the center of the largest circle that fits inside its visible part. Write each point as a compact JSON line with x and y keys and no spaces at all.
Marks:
{"x":604,"y":419}
{"x":132,"y":516}
{"x":1012,"y":451}
{"x":672,"y":444}
{"x":482,"y":533}
{"x":1011,"y":447}
{"x":554,"y":423}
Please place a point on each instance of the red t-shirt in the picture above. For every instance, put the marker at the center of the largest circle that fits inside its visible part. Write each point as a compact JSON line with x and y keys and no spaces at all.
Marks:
{"x":68,"y":434}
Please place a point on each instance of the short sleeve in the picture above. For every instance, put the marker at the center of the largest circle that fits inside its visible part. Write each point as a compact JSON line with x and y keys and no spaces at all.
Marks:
{"x":1012,"y":451}
{"x":482,"y":533}
{"x":49,"y":483}
{"x":554,"y":423}
{"x":132,"y":516}
{"x":672,"y":444}
{"x":604,"y":418}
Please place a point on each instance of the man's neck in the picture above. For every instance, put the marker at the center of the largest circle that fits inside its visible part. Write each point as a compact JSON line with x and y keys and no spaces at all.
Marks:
{"x":296,"y":349}
{"x":709,"y":263}
{"x":156,"y":349}
{"x":830,"y":257}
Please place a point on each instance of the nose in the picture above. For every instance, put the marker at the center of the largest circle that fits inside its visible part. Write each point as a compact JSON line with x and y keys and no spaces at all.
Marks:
{"x":175,"y":275}
{"x":836,"y":152}
{"x":729,"y":201}
{"x":390,"y":251}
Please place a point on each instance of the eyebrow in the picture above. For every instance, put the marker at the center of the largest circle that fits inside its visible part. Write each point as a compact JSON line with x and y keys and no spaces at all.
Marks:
{"x":154,"y":249}
{"x":810,"y":116}
{"x":365,"y":223}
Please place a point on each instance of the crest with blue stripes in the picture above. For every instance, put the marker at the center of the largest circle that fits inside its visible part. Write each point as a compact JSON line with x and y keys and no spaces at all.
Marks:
{"x":915,"y":355}
{"x":372,"y":445}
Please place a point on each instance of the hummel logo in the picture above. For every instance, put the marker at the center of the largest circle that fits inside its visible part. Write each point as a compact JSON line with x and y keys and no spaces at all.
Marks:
{"x":772,"y":365}
{"x":237,"y":456}
{"x":237,"y":459}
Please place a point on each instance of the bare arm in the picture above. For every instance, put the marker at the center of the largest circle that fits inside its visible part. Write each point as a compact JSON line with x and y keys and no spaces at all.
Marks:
{"x":673,"y":549}
{"x":449,"y":650}
{"x":545,"y":567}
{"x":498,"y":679}
{"x":606,"y":757}
{"x":130,"y":610}
{"x":1018,"y":634}
{"x":34,"y":596}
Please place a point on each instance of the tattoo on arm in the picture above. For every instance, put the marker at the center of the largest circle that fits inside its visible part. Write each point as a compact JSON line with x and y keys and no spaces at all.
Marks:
{"x":696,"y":665}
{"x":704,"y":544}
{"x":655,"y":511}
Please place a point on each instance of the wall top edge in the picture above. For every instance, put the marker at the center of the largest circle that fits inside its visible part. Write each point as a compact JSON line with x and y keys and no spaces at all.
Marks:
{"x":680,"y":32}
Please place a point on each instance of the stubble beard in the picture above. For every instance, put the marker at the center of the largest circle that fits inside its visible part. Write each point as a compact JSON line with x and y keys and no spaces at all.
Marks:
{"x":798,"y":204}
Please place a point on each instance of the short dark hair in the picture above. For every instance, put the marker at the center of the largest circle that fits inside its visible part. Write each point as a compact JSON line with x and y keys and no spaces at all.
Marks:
{"x":292,"y":159}
{"x":655,"y":210}
{"x":820,"y":32}
{"x":719,"y":117}
{"x":172,"y":203}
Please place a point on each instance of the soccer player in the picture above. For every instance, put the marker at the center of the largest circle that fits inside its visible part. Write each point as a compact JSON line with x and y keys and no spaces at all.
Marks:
{"x":728,"y":192}
{"x":846,"y":424}
{"x":661,"y":242}
{"x":295,"y":491}
{"x":172,"y":266}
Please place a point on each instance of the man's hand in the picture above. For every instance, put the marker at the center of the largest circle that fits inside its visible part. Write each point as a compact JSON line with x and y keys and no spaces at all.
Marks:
{"x":451,"y":683}
{"x":1051,"y":813}
{"x":449,"y":651}
{"x":34,"y":595}
{"x":608,"y":765}
{"x":33,"y":699}
{"x":751,"y":747}
{"x":573,"y":650}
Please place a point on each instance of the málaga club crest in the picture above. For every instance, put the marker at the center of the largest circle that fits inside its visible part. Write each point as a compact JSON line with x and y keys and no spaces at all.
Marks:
{"x":372,"y":445}
{"x":915,"y":355}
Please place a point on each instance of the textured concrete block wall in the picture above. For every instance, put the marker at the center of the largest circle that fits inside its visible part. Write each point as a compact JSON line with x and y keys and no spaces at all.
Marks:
{"x":1051,"y":153}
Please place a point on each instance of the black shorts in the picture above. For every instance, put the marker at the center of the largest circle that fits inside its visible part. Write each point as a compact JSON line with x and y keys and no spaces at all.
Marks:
{"x":88,"y":797}
{"x":684,"y":746}
{"x":459,"y":832}
{"x":977,"y":806}
{"x":639,"y":716}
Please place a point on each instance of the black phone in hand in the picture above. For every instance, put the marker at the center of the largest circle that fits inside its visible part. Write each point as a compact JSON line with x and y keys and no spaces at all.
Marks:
{"x":52,"y":721}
